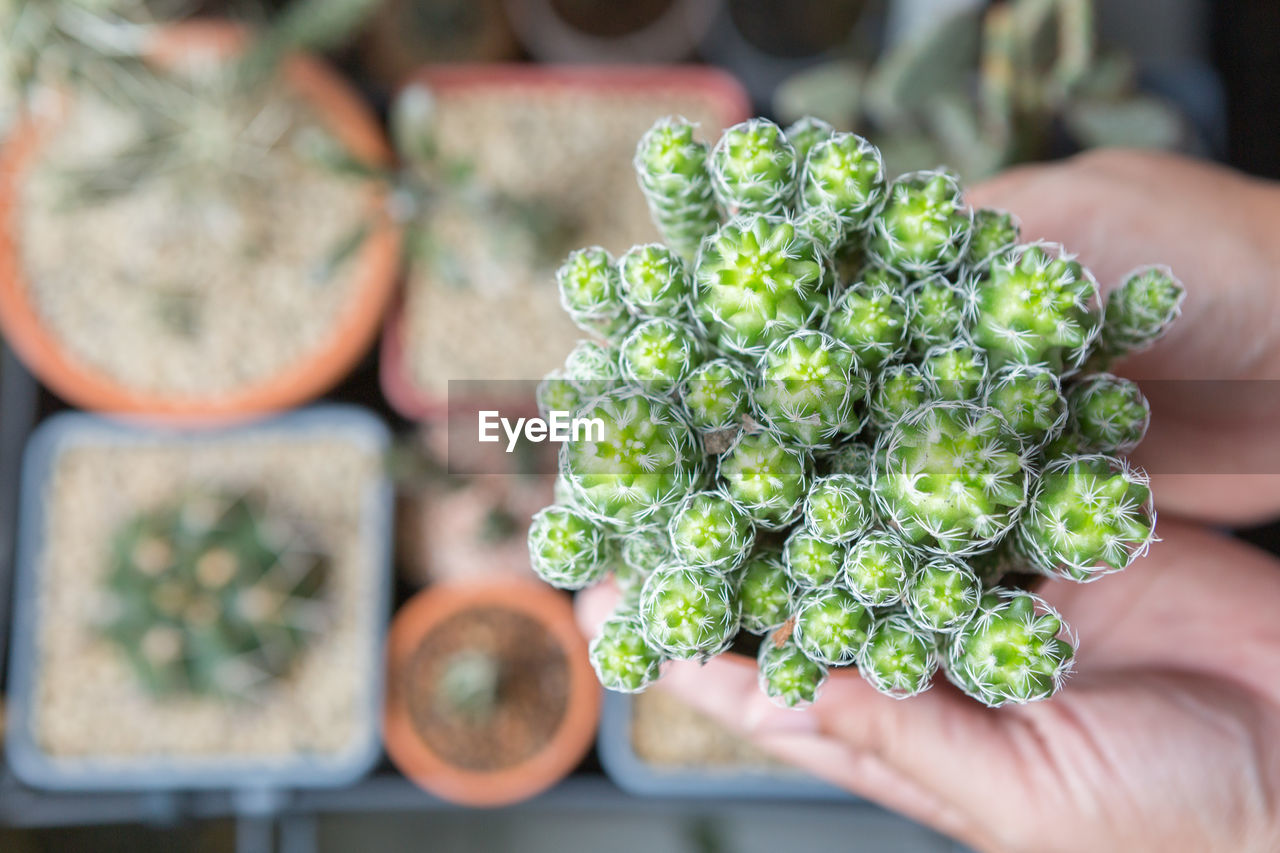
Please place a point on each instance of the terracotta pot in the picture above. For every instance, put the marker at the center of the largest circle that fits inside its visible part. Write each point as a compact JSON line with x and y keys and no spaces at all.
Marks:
{"x":572,"y":736}
{"x":351,"y":122}
{"x":722,"y":93}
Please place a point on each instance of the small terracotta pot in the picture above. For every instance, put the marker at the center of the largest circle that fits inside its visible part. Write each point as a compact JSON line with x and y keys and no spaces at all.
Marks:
{"x":573,"y":735}
{"x":378,"y":261}
{"x":722,"y":91}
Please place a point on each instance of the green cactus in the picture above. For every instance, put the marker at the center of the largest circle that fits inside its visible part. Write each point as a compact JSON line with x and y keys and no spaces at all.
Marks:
{"x":636,"y":472}
{"x":805,"y":133}
{"x":844,"y":173}
{"x":716,"y":395}
{"x":1015,"y":649}
{"x":635,"y":556}
{"x":937,"y":312}
{"x":787,"y":675}
{"x":954,"y":477}
{"x":1108,"y":414}
{"x":214,"y":595}
{"x":924,"y":227}
{"x":558,"y":393}
{"x":689,"y":613}
{"x":823,"y":227}
{"x":839,"y":507}
{"x":899,"y":659}
{"x":901,"y":389}
{"x":622,"y":657}
{"x":942,"y":594}
{"x":957,"y":370}
{"x":658,"y":355}
{"x":766,"y":592}
{"x":1030,"y":398}
{"x":994,"y":232}
{"x":766,"y":477}
{"x":831,"y":626}
{"x":812,"y":562}
{"x":709,"y":531}
{"x":1036,"y":306}
{"x":870,"y":319}
{"x":851,"y":472}
{"x":593,"y":368}
{"x":878,"y":568}
{"x":672,"y":169}
{"x":807,"y":389}
{"x":646,"y":549}
{"x":591,"y":292}
{"x":1088,"y":516}
{"x":567,"y":548}
{"x":753,"y":168}
{"x":654,"y":282}
{"x":758,"y":279}
{"x":854,"y":458}
{"x":1138,"y":313}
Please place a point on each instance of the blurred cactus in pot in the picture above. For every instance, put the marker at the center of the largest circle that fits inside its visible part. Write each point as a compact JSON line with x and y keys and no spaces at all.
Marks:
{"x":214,"y":595}
{"x":50,"y":43}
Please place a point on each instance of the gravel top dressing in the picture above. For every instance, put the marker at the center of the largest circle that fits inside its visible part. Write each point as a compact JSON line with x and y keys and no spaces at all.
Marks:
{"x":667,"y":732}
{"x":570,"y":151}
{"x":193,"y":282}
{"x":89,"y":702}
{"x":498,"y":710}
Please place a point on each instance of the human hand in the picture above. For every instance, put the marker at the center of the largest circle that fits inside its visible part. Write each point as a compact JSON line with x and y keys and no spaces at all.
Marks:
{"x":1213,"y":450}
{"x":1167,"y":737}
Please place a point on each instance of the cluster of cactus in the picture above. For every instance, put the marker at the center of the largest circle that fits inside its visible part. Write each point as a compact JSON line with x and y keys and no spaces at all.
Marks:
{"x":214,"y":595}
{"x":860,"y":420}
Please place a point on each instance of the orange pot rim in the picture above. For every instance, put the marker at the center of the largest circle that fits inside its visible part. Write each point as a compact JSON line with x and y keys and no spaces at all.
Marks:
{"x":573,"y":737}
{"x":351,"y":121}
{"x":720,"y":87}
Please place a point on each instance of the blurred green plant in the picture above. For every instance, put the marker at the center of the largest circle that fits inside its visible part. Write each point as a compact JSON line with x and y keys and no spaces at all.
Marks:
{"x":985,"y":88}
{"x":214,"y":594}
{"x":50,"y":42}
{"x":202,"y":130}
{"x":208,"y":125}
{"x":427,"y":184}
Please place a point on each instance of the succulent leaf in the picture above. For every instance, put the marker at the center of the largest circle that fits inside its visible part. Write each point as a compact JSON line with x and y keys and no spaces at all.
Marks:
{"x":622,"y":657}
{"x":567,"y":547}
{"x":787,"y":675}
{"x":689,"y":613}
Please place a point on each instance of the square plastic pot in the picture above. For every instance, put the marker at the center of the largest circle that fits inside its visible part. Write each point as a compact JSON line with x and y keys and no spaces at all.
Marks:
{"x":723,"y":94}
{"x":37,"y":768}
{"x":637,"y":776}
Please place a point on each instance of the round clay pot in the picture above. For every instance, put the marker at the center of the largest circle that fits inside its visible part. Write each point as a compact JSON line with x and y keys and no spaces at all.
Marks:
{"x":570,"y":739}
{"x":378,"y":261}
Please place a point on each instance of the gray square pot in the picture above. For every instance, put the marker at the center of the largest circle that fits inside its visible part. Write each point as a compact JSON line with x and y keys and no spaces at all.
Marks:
{"x":35,"y":767}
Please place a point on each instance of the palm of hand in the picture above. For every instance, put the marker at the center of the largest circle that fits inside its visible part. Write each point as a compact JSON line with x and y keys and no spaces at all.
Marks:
{"x":1165,"y":739}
